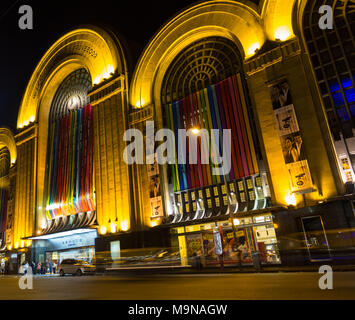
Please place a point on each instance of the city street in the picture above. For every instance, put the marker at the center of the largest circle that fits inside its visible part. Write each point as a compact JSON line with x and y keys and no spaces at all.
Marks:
{"x":264,"y":286}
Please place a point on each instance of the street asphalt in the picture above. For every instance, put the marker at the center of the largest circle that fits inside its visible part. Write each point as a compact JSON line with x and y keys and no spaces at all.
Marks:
{"x":249,"y":286}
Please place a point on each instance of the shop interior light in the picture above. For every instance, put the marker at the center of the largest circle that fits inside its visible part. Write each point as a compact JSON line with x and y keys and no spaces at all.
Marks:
{"x":236,"y":222}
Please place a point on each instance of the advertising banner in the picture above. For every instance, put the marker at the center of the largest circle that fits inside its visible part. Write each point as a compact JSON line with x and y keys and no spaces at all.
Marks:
{"x":291,"y":139}
{"x":156,"y":202}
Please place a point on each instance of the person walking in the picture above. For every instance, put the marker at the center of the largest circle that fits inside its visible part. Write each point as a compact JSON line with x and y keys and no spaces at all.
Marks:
{"x":51,"y":267}
{"x":2,"y":267}
{"x":39,"y":268}
{"x":54,"y":268}
{"x":33,"y":265}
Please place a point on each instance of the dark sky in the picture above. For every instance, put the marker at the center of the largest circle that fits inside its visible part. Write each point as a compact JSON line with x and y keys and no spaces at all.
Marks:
{"x":21,"y":50}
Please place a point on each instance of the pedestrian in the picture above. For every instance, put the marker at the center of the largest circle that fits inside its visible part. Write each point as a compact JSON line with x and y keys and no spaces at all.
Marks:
{"x":198,"y":260}
{"x":39,"y":268}
{"x":54,"y":268}
{"x":51,"y":267}
{"x":2,"y":267}
{"x":25,"y":267}
{"x":33,"y":265}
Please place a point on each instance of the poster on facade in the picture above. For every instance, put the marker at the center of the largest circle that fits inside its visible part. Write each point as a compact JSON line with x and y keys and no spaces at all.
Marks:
{"x":292,"y":148}
{"x":156,"y":205}
{"x":300,"y":176}
{"x":291,"y":138}
{"x":154,"y":187}
{"x":280,"y":95}
{"x":156,"y":202}
{"x":152,"y":169}
{"x":286,"y":120}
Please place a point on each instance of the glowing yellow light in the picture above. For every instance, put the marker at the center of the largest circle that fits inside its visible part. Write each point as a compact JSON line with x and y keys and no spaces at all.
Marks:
{"x":38,"y":232}
{"x":103,"y":229}
{"x":32,"y":119}
{"x":236,"y":222}
{"x":124,"y":225}
{"x":291,"y":200}
{"x":26,"y":123}
{"x":28,"y":243}
{"x":140,"y":103}
{"x":283,"y":33}
{"x":20,"y":125}
{"x":113,"y":227}
{"x":22,"y":244}
{"x":16,"y":245}
{"x":252,"y":49}
{"x":13,"y":161}
{"x":154,"y":224}
{"x":195,"y":131}
{"x":276,"y":226}
{"x":9,"y":247}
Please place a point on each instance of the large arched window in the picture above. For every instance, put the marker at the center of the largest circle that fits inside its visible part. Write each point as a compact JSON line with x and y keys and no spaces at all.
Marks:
{"x":204,"y":90}
{"x":69,"y":170}
{"x":332,"y":53}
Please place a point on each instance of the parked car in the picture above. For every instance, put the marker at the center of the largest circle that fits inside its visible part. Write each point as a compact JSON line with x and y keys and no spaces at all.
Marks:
{"x":75,"y":267}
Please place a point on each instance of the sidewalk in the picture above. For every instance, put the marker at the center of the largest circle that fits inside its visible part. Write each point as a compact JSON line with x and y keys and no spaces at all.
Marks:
{"x":227,"y":269}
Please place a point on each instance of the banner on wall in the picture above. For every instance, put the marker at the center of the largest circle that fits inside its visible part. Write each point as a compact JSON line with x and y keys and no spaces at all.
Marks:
{"x":156,"y":202}
{"x":291,"y":139}
{"x":218,"y":107}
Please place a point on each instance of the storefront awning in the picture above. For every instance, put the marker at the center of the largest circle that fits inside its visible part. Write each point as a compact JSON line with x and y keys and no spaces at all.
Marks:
{"x":62,"y":234}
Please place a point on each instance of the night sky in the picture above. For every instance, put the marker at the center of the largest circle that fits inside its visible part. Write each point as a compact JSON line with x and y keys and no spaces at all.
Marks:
{"x":21,"y":50}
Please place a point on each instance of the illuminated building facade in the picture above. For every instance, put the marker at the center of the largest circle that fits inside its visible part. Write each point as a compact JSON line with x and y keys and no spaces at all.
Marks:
{"x":267,"y":72}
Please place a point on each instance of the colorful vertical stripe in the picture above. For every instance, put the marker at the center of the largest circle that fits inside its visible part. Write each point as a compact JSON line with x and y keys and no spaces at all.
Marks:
{"x":70,"y":185}
{"x":220,"y":106}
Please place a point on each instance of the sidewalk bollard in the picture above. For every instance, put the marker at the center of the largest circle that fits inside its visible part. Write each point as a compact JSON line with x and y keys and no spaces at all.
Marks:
{"x":256,"y":261}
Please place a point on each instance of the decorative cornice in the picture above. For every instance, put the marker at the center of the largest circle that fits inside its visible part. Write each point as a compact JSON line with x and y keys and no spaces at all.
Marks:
{"x":141,"y":115}
{"x":108,"y":89}
{"x":286,"y":50}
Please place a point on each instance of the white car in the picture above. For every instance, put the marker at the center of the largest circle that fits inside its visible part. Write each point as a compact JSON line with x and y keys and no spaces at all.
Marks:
{"x":75,"y":267}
